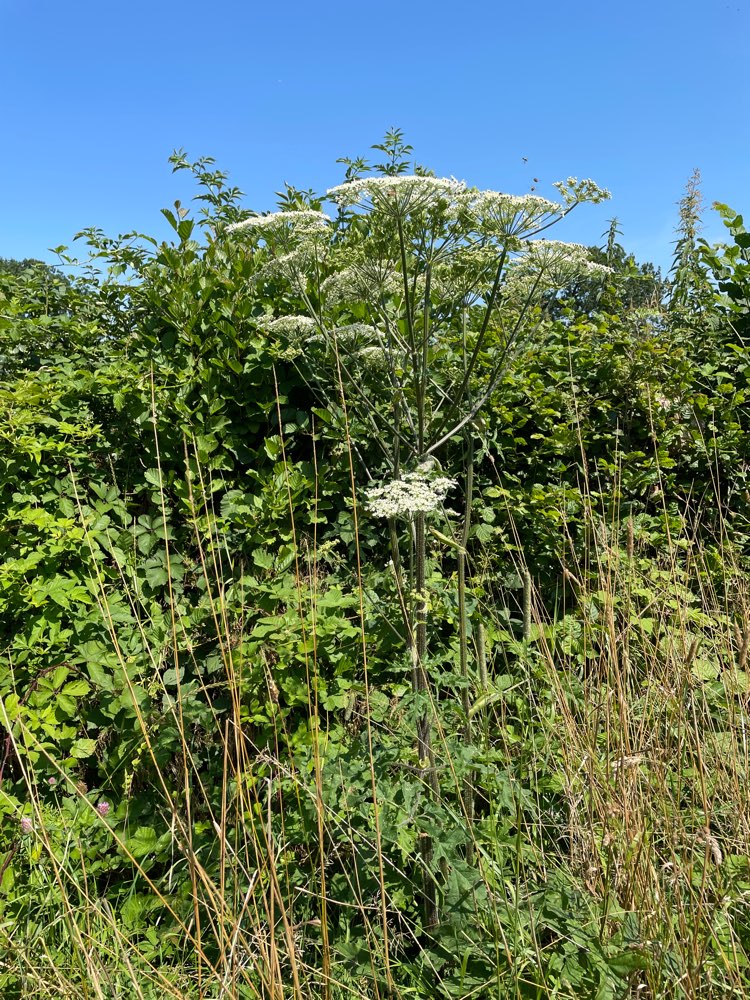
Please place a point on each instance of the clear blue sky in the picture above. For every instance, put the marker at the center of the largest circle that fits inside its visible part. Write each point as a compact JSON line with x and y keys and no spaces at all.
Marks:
{"x":95,"y":95}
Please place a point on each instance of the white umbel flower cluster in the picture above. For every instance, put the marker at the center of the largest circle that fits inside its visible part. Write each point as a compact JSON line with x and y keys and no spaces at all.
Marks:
{"x":295,"y":241}
{"x":290,"y":266}
{"x":573,"y":191}
{"x":372,"y":358}
{"x":368,"y":280}
{"x":354,"y":331}
{"x":463,"y":277}
{"x":292,"y":326}
{"x":403,"y":192}
{"x":494,"y":213}
{"x":275,"y":221}
{"x":560,"y":258}
{"x":415,"y":493}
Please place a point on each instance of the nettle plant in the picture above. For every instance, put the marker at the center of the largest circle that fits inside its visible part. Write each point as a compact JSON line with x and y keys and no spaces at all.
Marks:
{"x":409,"y":302}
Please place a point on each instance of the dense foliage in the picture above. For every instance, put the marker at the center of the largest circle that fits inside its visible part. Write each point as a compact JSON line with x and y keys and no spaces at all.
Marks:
{"x":373,"y":603}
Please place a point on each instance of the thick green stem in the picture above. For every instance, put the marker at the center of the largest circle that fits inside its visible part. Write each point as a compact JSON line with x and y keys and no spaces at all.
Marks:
{"x":463,"y":637}
{"x":424,"y":724}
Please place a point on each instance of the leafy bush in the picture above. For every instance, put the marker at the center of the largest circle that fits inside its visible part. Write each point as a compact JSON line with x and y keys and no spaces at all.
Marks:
{"x":258,"y":740}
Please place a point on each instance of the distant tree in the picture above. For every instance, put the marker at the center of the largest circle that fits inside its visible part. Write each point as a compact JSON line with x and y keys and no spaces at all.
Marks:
{"x":631,"y":286}
{"x":9,"y":265}
{"x":42,"y":313}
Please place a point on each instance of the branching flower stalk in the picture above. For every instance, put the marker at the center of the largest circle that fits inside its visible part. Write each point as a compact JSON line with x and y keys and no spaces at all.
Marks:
{"x":418,"y":294}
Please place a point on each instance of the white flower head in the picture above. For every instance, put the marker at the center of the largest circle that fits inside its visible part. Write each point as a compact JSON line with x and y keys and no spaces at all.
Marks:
{"x":464,"y":275}
{"x":494,"y":213}
{"x":366,"y":280}
{"x":292,"y":326}
{"x":558,"y":260}
{"x":294,"y":243}
{"x":341,"y":287}
{"x":274,"y":222}
{"x":415,"y":493}
{"x":371,"y":358}
{"x":354,"y":331}
{"x":359,"y":344}
{"x":572,"y":191}
{"x":402,"y":192}
{"x":289,"y":266}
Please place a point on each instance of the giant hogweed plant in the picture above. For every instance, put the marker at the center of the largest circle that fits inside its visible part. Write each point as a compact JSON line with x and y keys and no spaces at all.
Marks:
{"x":408,"y":304}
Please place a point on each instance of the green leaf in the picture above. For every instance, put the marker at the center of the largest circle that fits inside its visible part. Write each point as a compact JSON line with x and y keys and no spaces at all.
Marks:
{"x":83,"y":748}
{"x":142,"y":842}
{"x":262,"y":558}
{"x":76,"y":689}
{"x":99,"y":677}
{"x":58,"y":676}
{"x":156,"y":576}
{"x":705,"y":670}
